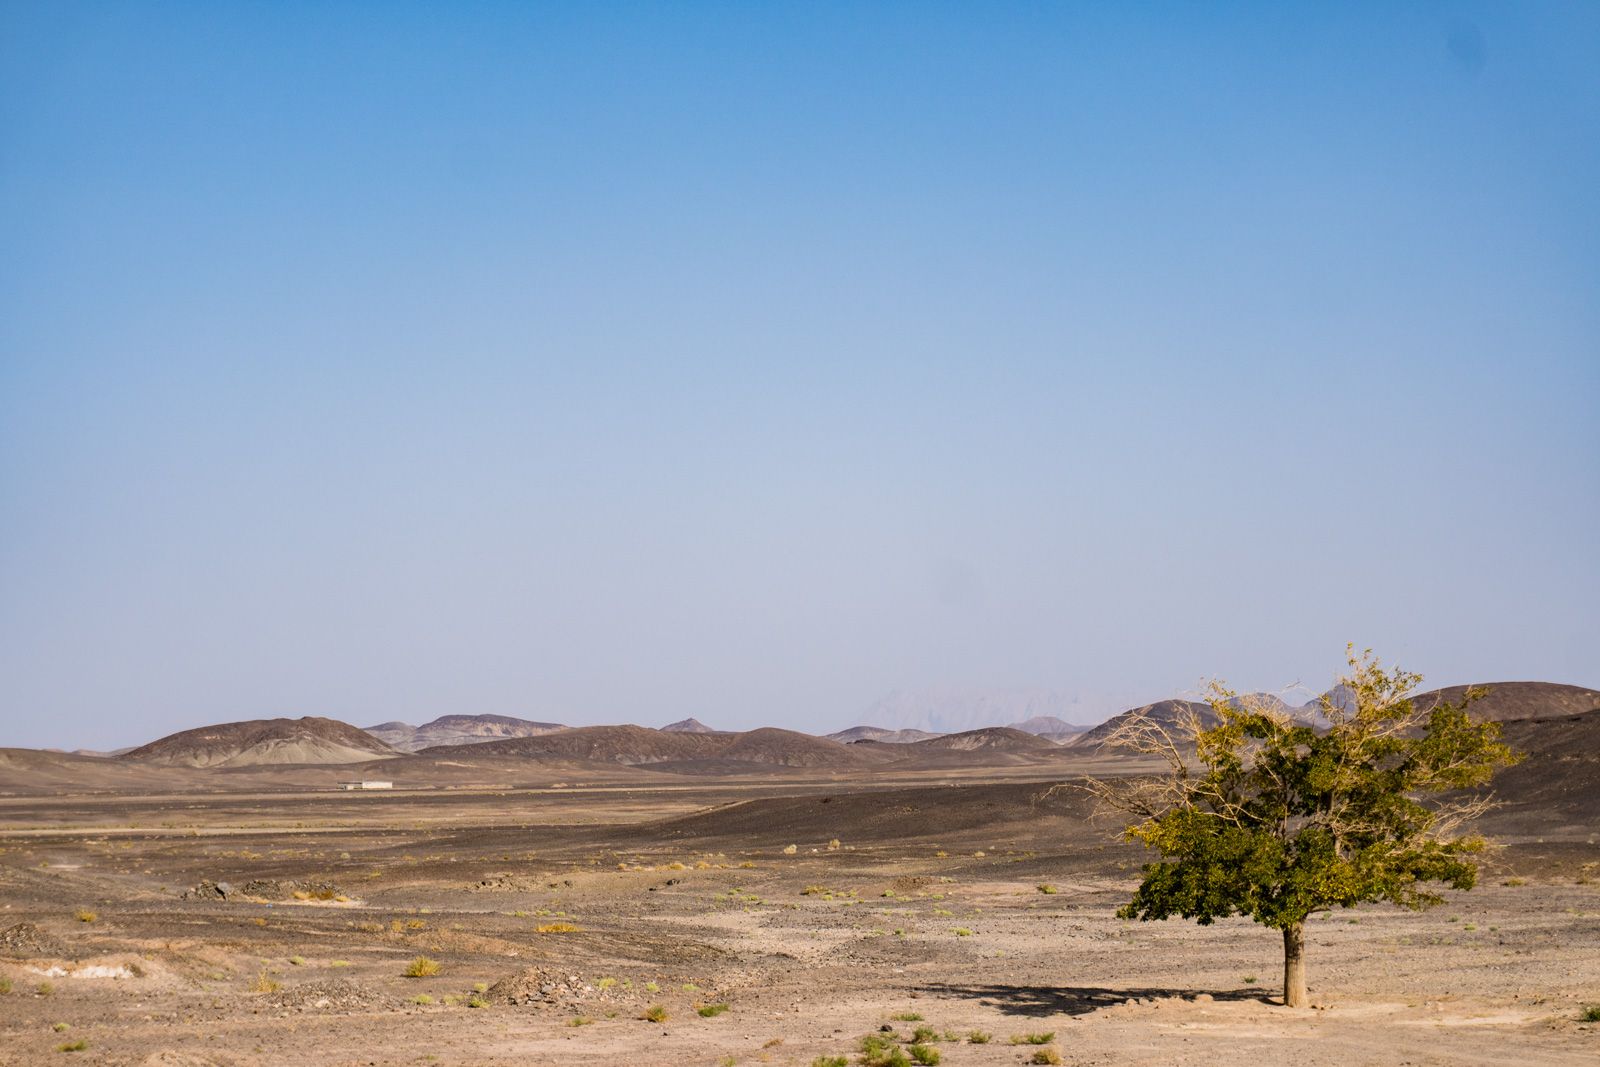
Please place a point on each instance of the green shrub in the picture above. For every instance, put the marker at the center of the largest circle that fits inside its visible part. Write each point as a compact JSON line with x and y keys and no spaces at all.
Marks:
{"x":655,"y":1013}
{"x":1045,"y":1056}
{"x":709,"y":1011}
{"x":1034,"y":1039}
{"x":923,"y":1054}
{"x":979,"y":1037}
{"x":421,"y":967}
{"x":1591,"y":1014}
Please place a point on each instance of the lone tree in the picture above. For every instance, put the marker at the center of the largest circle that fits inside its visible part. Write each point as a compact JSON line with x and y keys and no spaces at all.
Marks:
{"x":1263,"y":815}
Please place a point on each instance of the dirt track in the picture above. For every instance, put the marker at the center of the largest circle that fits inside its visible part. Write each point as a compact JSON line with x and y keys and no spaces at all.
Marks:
{"x":928,"y":904}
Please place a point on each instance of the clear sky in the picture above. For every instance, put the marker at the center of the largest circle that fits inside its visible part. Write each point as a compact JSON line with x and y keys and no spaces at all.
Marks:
{"x":621,"y":362}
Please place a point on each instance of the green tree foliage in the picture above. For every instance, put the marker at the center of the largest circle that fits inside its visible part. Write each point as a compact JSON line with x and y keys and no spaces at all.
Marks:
{"x":1263,"y":815}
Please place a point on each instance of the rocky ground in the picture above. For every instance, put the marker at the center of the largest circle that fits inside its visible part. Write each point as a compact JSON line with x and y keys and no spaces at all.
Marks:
{"x":279,"y":929}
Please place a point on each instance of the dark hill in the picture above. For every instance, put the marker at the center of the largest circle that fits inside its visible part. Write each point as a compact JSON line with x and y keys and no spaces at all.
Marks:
{"x":1165,"y":712}
{"x":259,"y":741}
{"x":1509,"y":701}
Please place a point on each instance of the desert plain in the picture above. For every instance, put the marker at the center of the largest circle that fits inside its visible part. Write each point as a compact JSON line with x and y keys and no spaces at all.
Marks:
{"x":568,"y":911}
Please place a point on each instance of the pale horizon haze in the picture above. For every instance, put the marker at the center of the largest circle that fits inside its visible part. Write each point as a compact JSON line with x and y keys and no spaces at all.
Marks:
{"x":628,"y":362}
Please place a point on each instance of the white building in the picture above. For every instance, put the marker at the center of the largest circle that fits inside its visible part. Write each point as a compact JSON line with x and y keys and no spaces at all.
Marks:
{"x":371,"y":783}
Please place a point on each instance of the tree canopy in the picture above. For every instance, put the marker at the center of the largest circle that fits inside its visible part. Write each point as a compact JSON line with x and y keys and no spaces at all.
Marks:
{"x":1271,"y":816}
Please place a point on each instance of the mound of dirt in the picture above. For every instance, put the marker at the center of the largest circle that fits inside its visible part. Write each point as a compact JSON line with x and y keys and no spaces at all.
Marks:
{"x":265,"y":889}
{"x":309,"y":740}
{"x":329,"y":994}
{"x":532,"y":985}
{"x":27,"y":941}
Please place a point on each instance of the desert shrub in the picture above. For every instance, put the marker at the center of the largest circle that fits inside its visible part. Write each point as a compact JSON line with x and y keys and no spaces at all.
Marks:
{"x":578,"y":1020}
{"x":880,"y":1051}
{"x":1591,"y":1014}
{"x":923,"y":1054}
{"x":73,"y":1046}
{"x":830,"y":1061}
{"x":338,"y":963}
{"x":298,"y":961}
{"x":84,"y":915}
{"x":655,"y":1013}
{"x":5,"y":986}
{"x":961,"y":931}
{"x":264,"y":983}
{"x":907,"y":1017}
{"x":61,"y":1028}
{"x":1046,"y":888}
{"x":476,"y":1001}
{"x":710,"y":1011}
{"x":422,"y":1000}
{"x":979,"y":1037}
{"x":421,"y":967}
{"x":1250,"y":979}
{"x":555,"y":928}
{"x":1045,"y":1056}
{"x":1033,"y":1039}
{"x":789,"y":850}
{"x":923,"y":1035}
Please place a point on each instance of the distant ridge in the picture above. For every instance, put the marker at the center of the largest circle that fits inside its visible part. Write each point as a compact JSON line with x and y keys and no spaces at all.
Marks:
{"x":879,"y":733}
{"x":458,"y":730}
{"x":262,"y":741}
{"x":687,"y":726}
{"x":641,"y":746}
{"x":989,"y":738}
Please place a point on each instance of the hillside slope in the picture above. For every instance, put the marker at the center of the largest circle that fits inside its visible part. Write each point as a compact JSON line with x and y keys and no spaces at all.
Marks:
{"x":307,"y":740}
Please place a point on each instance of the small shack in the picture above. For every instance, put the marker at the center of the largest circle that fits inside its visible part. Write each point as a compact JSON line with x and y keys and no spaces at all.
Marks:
{"x":370,"y":783}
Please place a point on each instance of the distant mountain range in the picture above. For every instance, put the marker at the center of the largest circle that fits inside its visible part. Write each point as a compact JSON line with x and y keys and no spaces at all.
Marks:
{"x":692,"y":747}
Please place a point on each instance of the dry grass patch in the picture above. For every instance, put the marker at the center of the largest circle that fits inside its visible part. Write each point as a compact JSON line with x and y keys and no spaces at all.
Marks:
{"x":421,"y":967}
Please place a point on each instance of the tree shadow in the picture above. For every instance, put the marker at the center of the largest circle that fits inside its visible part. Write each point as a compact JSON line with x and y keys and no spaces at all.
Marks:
{"x":1039,"y":1001}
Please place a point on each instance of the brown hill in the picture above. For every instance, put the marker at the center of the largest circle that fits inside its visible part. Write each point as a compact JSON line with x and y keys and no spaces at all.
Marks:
{"x":988,"y":739}
{"x":458,"y":730}
{"x":639,"y":746}
{"x":261,"y":741}
{"x":688,"y":726}
{"x":1165,"y":712}
{"x":601,"y":744}
{"x":1510,"y":701}
{"x":881,"y":733}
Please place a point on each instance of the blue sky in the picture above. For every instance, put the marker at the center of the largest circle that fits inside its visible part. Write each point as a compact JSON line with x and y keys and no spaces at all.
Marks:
{"x":622,"y":362}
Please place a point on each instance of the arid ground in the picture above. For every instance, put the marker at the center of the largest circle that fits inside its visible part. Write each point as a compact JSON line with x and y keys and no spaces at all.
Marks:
{"x":816,"y":908}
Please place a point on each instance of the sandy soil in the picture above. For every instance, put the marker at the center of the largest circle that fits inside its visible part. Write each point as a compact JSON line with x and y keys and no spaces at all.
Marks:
{"x":898,"y":899}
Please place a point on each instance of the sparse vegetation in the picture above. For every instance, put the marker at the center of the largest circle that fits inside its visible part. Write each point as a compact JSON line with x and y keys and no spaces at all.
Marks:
{"x":907,"y":1017}
{"x":1045,"y":1056}
{"x":923,"y":1054}
{"x":421,"y":967}
{"x":710,"y":1011}
{"x":877,"y":1050}
{"x":979,"y":1037}
{"x":298,"y":961}
{"x":579,"y":1020}
{"x":1045,"y":887}
{"x":73,"y":1046}
{"x":555,"y":928}
{"x":1591,"y":1014}
{"x":265,"y":983}
{"x":1033,"y":1039}
{"x":84,"y":915}
{"x":655,"y":1013}
{"x":5,"y":986}
{"x":830,"y":1061}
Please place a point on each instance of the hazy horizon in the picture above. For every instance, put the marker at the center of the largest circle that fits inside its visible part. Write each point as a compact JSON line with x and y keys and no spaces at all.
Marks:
{"x":754,"y":363}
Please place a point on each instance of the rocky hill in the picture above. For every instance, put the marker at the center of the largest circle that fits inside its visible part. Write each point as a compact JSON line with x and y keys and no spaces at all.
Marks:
{"x":879,"y":733}
{"x":254,"y":742}
{"x":458,"y":730}
{"x":988,"y":739}
{"x":688,"y":726}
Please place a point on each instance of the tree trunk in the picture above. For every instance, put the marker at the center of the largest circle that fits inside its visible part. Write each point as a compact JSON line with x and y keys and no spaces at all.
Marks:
{"x":1294,"y":966}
